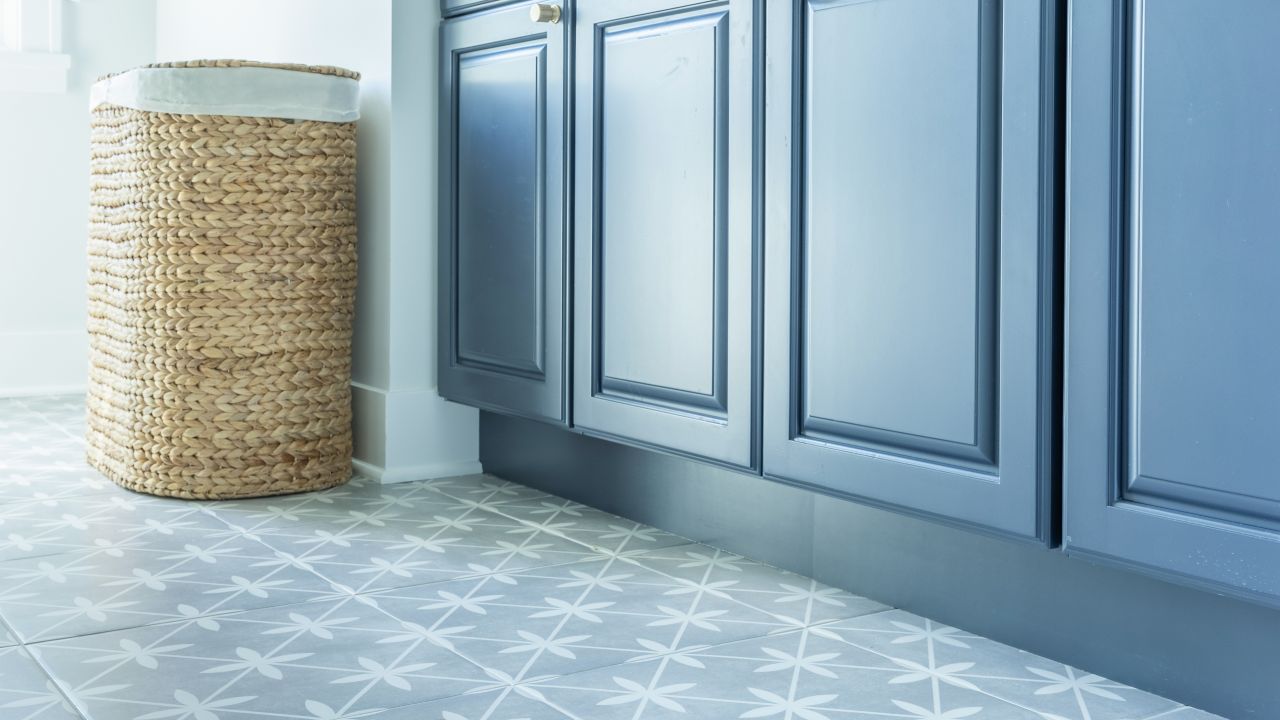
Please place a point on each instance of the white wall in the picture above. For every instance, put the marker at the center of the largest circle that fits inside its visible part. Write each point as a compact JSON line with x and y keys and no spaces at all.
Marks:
{"x":44,"y":198}
{"x":404,"y":431}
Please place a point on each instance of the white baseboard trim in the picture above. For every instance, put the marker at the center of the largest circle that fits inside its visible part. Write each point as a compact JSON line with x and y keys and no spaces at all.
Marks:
{"x":411,"y":474}
{"x":406,"y":435}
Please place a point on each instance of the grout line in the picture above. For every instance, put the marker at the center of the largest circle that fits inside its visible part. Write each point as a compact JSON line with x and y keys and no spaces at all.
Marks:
{"x":67,"y":700}
{"x":1178,"y":712}
{"x":45,"y":418}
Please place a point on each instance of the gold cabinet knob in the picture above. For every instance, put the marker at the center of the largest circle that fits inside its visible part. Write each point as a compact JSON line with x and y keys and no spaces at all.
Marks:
{"x":544,"y":13}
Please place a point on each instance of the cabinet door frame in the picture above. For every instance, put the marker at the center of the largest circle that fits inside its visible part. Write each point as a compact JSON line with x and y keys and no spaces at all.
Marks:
{"x":454,"y":8}
{"x":1100,"y":522}
{"x":1015,"y":498}
{"x":540,"y":393}
{"x":724,"y":428}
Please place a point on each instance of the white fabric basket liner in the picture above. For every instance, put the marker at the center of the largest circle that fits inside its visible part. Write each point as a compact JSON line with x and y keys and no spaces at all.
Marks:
{"x":245,"y":91}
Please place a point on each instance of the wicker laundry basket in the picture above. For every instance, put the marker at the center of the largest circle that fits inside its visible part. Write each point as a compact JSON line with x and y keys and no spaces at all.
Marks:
{"x":222,"y":272}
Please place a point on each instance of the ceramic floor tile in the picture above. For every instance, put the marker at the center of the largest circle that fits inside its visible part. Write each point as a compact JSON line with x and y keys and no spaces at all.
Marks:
{"x":360,"y":496}
{"x":1185,"y":713}
{"x":487,"y":490}
{"x":26,"y":693}
{"x":397,"y":542}
{"x":64,"y":414}
{"x":17,"y":484}
{"x":464,"y":598}
{"x":6,"y":636}
{"x":17,"y":420}
{"x":41,"y":448}
{"x":794,"y":599}
{"x":800,"y":674}
{"x":1056,"y":691}
{"x":319,"y":660}
{"x":73,"y":402}
{"x":568,"y":618}
{"x":587,"y":525}
{"x":34,"y":528}
{"x":511,"y":703}
{"x":161,"y":577}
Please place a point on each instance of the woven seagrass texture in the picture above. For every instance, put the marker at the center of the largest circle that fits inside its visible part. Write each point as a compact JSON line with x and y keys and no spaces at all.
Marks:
{"x":222,"y":271}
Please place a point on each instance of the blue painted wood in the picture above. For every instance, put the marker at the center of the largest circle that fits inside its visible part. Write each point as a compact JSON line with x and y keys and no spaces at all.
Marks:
{"x":909,"y":256}
{"x":665,"y":251}
{"x":451,"y":8}
{"x":502,"y":242}
{"x":1173,"y":399}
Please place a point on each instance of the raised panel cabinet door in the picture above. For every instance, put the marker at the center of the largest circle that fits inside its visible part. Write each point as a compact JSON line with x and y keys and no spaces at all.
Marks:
{"x":665,"y":291}
{"x":1172,"y":388}
{"x":909,"y":245}
{"x":449,"y":8}
{"x":502,"y":305}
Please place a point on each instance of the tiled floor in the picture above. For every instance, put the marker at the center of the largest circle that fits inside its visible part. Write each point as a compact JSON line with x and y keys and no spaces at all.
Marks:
{"x":460,"y":599}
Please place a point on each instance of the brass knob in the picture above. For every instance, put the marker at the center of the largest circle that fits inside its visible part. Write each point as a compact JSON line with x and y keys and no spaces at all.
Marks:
{"x":544,"y":13}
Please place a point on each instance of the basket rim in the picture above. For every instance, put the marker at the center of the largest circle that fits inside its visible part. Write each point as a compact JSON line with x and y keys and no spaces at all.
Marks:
{"x":235,"y":63}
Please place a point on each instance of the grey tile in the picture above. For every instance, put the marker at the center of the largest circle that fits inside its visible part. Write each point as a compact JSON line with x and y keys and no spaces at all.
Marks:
{"x":793,"y":599}
{"x":569,"y":618}
{"x":18,"y":484}
{"x":486,"y":490}
{"x":159,"y":578}
{"x":6,"y":636}
{"x":369,"y":541}
{"x":802,"y":674}
{"x":1056,"y":691}
{"x":26,"y":693}
{"x":16,"y":419}
{"x":479,"y":599}
{"x":587,"y":525}
{"x":1185,"y":713}
{"x":41,"y":446}
{"x":33,"y":528}
{"x":358,"y":497}
{"x":518,"y":702}
{"x":318,"y":660}
{"x":64,"y":413}
{"x":54,"y":404}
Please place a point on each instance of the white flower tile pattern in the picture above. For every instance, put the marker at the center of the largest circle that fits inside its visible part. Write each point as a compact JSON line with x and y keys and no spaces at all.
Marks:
{"x":585,"y":524}
{"x":26,"y":692}
{"x":323,"y":659}
{"x":1054,"y":690}
{"x":160,"y":577}
{"x":611,"y":609}
{"x":466,"y":598}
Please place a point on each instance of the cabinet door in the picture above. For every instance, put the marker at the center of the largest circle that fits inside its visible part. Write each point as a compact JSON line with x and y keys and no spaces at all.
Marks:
{"x":449,"y":8}
{"x":909,"y":247}
{"x":664,"y":260}
{"x":1173,"y":388}
{"x":502,"y":240}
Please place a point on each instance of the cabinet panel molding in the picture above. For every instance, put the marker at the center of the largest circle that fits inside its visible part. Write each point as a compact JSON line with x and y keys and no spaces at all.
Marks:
{"x":1173,"y":402}
{"x":666,"y":335}
{"x":661,"y":234}
{"x":897,"y":237}
{"x":502,"y":245}
{"x":910,"y":230}
{"x":499,"y":171}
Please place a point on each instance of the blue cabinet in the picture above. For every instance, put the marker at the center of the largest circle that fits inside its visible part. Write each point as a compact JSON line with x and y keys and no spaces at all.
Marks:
{"x":450,"y":8}
{"x":502,"y":240}
{"x":1173,"y":229}
{"x":909,"y":209}
{"x":664,"y":233}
